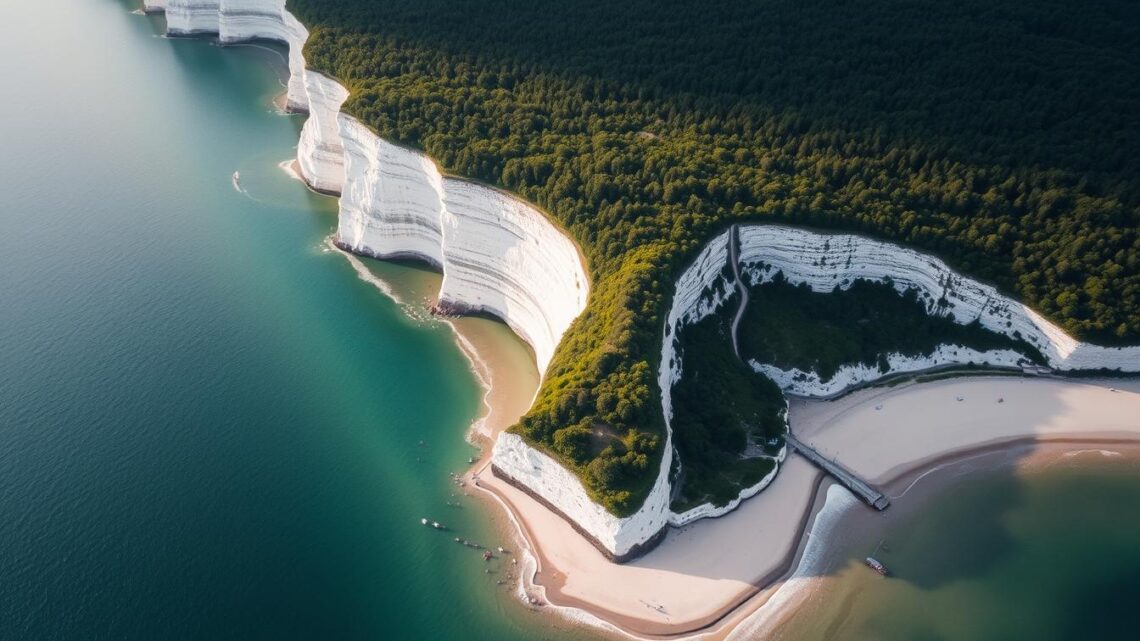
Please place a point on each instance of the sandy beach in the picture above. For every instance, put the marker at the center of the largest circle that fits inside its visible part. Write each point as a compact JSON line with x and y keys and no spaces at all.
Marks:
{"x":710,"y":577}
{"x":743,"y":574}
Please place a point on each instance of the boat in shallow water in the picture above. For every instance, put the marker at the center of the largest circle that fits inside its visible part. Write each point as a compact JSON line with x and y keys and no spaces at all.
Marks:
{"x":877,"y":566}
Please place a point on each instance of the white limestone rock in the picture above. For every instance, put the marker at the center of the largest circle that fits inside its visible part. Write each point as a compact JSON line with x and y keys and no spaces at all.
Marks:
{"x":827,"y":261}
{"x":498,"y":254}
{"x":557,"y":486}
{"x":504,"y":257}
{"x":320,"y":151}
{"x":392,"y":202}
{"x":245,"y":20}
{"x":192,"y":17}
{"x":801,"y":383}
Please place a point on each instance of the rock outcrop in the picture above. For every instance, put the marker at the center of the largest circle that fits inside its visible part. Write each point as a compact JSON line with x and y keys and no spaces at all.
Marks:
{"x":499,"y":255}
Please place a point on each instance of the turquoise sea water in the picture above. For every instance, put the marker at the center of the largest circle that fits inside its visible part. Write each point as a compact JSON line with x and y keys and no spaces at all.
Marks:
{"x":210,"y":428}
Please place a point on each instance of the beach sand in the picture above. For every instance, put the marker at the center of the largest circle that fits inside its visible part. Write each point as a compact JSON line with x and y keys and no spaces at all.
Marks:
{"x":831,"y":590}
{"x":505,"y":366}
{"x":883,"y":433}
{"x":713,"y":575}
{"x":742,"y":575}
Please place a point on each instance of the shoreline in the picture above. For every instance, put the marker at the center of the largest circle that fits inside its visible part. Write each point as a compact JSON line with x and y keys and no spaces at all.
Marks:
{"x":864,"y":529}
{"x":504,"y":400}
{"x":485,"y":373}
{"x":783,"y":581}
{"x":769,"y":599}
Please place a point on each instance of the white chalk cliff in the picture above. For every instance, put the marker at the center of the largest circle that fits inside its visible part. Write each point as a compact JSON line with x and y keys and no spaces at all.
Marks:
{"x":501,"y":256}
{"x":498,"y":254}
{"x":826,"y":261}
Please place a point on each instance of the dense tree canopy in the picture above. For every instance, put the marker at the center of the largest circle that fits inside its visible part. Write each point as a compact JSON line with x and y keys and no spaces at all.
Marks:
{"x":728,"y":421}
{"x":999,"y":134}
{"x":792,"y":326}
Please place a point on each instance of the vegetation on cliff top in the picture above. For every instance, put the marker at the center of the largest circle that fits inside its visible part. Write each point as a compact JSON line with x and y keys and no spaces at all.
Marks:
{"x":792,"y":326}
{"x":999,"y":134}
{"x":728,"y":421}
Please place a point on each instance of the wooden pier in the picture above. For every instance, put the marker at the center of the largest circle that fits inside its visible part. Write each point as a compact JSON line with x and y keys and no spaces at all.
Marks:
{"x":846,"y":477}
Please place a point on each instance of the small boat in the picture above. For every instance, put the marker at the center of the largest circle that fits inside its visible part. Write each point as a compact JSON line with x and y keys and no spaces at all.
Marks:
{"x":875,"y":565}
{"x":437,"y":525}
{"x":423,"y":521}
{"x":501,"y":550}
{"x":236,"y":178}
{"x":487,"y":556}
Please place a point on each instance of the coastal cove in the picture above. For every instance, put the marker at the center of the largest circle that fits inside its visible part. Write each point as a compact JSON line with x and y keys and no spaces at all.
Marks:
{"x":234,"y":425}
{"x":503,"y":257}
{"x":743,"y":575}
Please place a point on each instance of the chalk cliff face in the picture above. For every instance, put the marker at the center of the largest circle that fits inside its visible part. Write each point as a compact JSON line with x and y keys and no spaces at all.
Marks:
{"x":391,"y":207}
{"x":501,"y":256}
{"x":701,"y":291}
{"x":498,"y":254}
{"x":545,"y":478}
{"x":827,"y":261}
{"x":190,"y":17}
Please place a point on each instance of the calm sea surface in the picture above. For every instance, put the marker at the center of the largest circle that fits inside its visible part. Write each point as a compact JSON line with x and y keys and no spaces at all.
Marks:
{"x":210,"y":428}
{"x":209,"y":425}
{"x":1048,"y":554}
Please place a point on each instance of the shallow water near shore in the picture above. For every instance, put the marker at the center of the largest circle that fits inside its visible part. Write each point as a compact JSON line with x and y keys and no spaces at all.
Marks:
{"x":992,"y":552}
{"x":210,"y":426}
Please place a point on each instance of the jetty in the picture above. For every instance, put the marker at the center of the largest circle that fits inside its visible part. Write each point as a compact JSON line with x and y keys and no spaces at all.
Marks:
{"x":846,"y":477}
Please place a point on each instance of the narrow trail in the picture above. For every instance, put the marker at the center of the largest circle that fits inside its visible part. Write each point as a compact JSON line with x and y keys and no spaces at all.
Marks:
{"x":734,"y":259}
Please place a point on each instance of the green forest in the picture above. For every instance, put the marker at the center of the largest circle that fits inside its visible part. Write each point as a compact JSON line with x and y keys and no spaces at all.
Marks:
{"x":792,"y":326}
{"x":724,"y":416}
{"x":997,"y":134}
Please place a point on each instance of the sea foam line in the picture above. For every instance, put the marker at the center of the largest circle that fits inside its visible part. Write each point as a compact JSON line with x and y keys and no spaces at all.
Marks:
{"x":836,"y":503}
